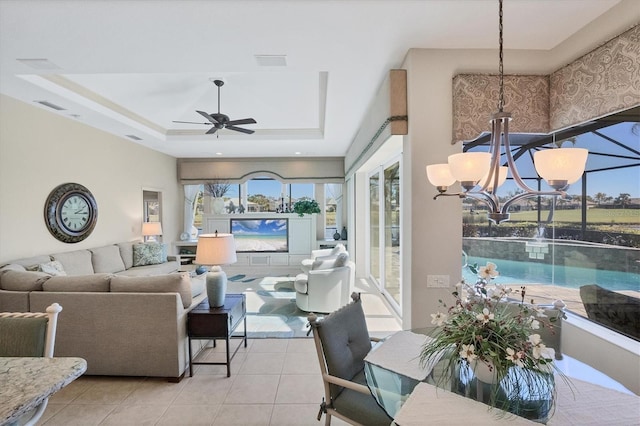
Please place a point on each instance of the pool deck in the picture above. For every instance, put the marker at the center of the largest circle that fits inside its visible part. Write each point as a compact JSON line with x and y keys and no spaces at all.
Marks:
{"x":544,"y":294}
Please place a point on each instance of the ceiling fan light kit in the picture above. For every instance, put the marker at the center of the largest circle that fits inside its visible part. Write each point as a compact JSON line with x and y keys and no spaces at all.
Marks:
{"x":222,"y":121}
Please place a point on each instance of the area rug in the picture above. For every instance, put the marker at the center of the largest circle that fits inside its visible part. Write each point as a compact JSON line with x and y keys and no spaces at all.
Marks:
{"x":271,"y":306}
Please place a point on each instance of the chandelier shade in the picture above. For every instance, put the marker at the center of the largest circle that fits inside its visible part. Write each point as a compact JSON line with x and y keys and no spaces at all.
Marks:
{"x":469,"y":167}
{"x":440,"y":175}
{"x":560,"y":165}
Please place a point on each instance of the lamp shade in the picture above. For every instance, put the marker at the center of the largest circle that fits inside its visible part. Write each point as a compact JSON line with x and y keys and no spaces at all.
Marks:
{"x":501,"y":178}
{"x":151,"y":228}
{"x":440,"y":175}
{"x":216,"y":249}
{"x":469,"y":166}
{"x":561,"y":164}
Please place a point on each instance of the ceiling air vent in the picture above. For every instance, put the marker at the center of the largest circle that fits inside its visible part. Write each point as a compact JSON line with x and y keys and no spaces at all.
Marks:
{"x":271,"y":60}
{"x":134,"y":137}
{"x":39,"y":63}
{"x":50,"y":105}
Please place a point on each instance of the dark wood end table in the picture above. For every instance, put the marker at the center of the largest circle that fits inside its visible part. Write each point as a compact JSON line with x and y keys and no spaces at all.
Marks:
{"x":204,"y":322}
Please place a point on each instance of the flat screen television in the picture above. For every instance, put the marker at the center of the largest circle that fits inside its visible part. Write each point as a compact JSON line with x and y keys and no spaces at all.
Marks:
{"x":261,"y":235}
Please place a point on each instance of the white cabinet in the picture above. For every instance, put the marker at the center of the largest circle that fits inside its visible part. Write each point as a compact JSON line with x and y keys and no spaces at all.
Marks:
{"x":301,"y":237}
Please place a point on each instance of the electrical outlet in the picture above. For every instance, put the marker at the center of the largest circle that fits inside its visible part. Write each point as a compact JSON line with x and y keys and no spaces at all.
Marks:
{"x":440,"y":281}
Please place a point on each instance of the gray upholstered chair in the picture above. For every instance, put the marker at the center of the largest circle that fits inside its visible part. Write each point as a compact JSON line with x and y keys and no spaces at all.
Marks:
{"x":29,"y":334}
{"x":342,"y":341}
{"x":614,"y":310}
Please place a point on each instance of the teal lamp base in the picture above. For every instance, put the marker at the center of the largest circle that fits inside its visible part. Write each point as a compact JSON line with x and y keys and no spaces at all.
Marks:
{"x":216,"y":287}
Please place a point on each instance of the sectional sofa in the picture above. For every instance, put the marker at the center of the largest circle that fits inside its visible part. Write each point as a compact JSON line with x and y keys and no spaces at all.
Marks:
{"x":123,"y":315}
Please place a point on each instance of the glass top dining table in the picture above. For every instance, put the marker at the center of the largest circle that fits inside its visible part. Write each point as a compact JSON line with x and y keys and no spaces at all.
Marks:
{"x":393,"y":369}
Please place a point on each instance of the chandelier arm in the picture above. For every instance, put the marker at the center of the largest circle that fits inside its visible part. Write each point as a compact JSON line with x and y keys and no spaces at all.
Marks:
{"x":507,"y":204}
{"x":512,"y":164}
{"x":449,"y":194}
{"x":488,"y":200}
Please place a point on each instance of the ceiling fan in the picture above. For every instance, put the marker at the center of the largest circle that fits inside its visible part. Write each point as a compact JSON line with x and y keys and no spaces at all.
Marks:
{"x":221,"y":121}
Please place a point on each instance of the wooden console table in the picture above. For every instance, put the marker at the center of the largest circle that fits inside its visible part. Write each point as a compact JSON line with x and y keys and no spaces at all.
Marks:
{"x":204,"y":322}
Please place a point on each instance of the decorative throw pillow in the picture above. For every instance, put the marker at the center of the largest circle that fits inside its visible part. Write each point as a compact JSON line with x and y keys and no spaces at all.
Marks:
{"x":53,"y":268}
{"x":339,"y":248}
{"x":341,"y":260}
{"x":148,"y":254}
{"x":328,"y":262}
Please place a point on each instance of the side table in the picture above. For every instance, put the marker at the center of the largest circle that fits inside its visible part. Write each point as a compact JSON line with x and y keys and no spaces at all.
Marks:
{"x":204,"y":322}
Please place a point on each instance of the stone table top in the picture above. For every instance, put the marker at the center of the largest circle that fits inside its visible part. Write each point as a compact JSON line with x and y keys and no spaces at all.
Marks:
{"x":26,"y":382}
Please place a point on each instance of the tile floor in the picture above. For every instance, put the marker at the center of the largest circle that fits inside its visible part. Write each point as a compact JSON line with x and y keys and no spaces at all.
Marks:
{"x":273,"y":382}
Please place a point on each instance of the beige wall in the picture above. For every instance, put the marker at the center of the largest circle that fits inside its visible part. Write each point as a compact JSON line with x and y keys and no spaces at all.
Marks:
{"x":40,"y":150}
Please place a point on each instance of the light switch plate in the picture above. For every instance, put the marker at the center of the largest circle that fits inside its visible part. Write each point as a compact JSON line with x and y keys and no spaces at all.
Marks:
{"x":440,"y":281}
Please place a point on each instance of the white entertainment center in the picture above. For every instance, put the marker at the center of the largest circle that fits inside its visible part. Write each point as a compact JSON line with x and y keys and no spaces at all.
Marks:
{"x":301,"y":238}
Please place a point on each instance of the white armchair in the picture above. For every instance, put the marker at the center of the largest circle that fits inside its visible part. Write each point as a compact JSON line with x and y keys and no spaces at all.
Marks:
{"x":325,"y":290}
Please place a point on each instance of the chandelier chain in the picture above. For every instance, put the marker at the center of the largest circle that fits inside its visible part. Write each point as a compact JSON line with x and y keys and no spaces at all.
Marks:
{"x":501,"y":66}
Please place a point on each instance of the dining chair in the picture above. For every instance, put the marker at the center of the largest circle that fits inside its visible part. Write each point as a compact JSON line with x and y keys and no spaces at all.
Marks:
{"x":342,"y":341}
{"x":29,"y":334}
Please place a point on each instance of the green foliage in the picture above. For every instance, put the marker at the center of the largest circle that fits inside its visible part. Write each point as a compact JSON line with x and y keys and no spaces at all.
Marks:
{"x":306,"y":206}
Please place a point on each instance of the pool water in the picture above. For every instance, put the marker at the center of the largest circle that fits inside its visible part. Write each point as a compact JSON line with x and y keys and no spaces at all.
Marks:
{"x":512,"y":272}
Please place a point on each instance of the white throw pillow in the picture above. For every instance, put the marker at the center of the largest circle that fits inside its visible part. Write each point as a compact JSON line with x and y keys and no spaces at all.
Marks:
{"x":53,"y":268}
{"x":327,"y":263}
{"x":339,"y":248}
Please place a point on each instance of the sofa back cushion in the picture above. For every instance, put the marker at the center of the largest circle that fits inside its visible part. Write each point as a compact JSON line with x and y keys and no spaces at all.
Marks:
{"x":75,"y":262}
{"x":30,"y":261}
{"x":149,"y":254}
{"x":22,"y":280}
{"x":171,"y":283}
{"x":83,"y":283}
{"x":107,"y":259}
{"x":126,"y":253}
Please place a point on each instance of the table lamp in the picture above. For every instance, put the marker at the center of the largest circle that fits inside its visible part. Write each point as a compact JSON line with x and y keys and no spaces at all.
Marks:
{"x":215,"y":250}
{"x":150,"y":230}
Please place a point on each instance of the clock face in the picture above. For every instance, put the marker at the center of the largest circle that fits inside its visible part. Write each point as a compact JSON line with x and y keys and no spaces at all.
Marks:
{"x":71,"y":212}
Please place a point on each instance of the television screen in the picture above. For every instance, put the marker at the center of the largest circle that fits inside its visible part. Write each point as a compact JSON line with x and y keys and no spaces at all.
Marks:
{"x":260,"y":235}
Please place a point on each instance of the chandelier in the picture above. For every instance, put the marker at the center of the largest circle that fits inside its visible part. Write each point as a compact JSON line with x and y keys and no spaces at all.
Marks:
{"x":480,"y":173}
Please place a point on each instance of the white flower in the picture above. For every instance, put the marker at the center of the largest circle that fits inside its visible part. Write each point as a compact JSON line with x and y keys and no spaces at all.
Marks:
{"x":514,"y":357}
{"x":533,"y":323}
{"x":468,"y":352}
{"x":485,"y":316}
{"x":538,"y":347}
{"x":438,"y":319}
{"x":489,"y":271}
{"x":540,"y":312}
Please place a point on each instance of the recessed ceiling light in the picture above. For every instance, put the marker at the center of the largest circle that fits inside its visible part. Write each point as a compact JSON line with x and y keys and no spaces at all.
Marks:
{"x":218,"y":153}
{"x":271,"y":60}
{"x":298,"y":153}
{"x":39,"y":63}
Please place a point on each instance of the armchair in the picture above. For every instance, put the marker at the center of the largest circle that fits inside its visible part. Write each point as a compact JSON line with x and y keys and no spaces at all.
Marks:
{"x":325,"y":290}
{"x":342,"y":341}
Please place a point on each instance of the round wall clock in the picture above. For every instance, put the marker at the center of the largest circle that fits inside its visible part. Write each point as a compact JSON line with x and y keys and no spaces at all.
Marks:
{"x":70,"y":212}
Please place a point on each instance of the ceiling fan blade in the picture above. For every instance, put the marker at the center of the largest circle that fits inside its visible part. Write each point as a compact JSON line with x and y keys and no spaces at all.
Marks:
{"x":208,"y":117}
{"x":212,"y":130}
{"x":241,"y":121}
{"x":191,"y":122}
{"x":239,"y":129}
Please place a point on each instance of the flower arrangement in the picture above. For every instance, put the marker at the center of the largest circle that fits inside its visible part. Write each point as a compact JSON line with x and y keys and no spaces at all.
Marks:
{"x":482,"y":331}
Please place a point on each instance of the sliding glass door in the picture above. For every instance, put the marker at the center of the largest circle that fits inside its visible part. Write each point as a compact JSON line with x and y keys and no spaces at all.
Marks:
{"x":384,"y":230}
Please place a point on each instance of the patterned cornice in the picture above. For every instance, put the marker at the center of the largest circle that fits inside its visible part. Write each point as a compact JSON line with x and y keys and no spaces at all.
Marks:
{"x":602,"y":82}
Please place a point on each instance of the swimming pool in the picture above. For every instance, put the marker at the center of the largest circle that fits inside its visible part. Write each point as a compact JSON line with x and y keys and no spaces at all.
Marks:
{"x":512,"y":272}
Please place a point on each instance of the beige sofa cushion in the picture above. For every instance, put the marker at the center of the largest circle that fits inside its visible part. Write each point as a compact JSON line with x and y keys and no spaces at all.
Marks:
{"x":31,"y":261}
{"x":107,"y":259}
{"x":171,"y":283}
{"x":22,"y":280}
{"x":75,"y":262}
{"x":126,"y":253}
{"x":83,"y":283}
